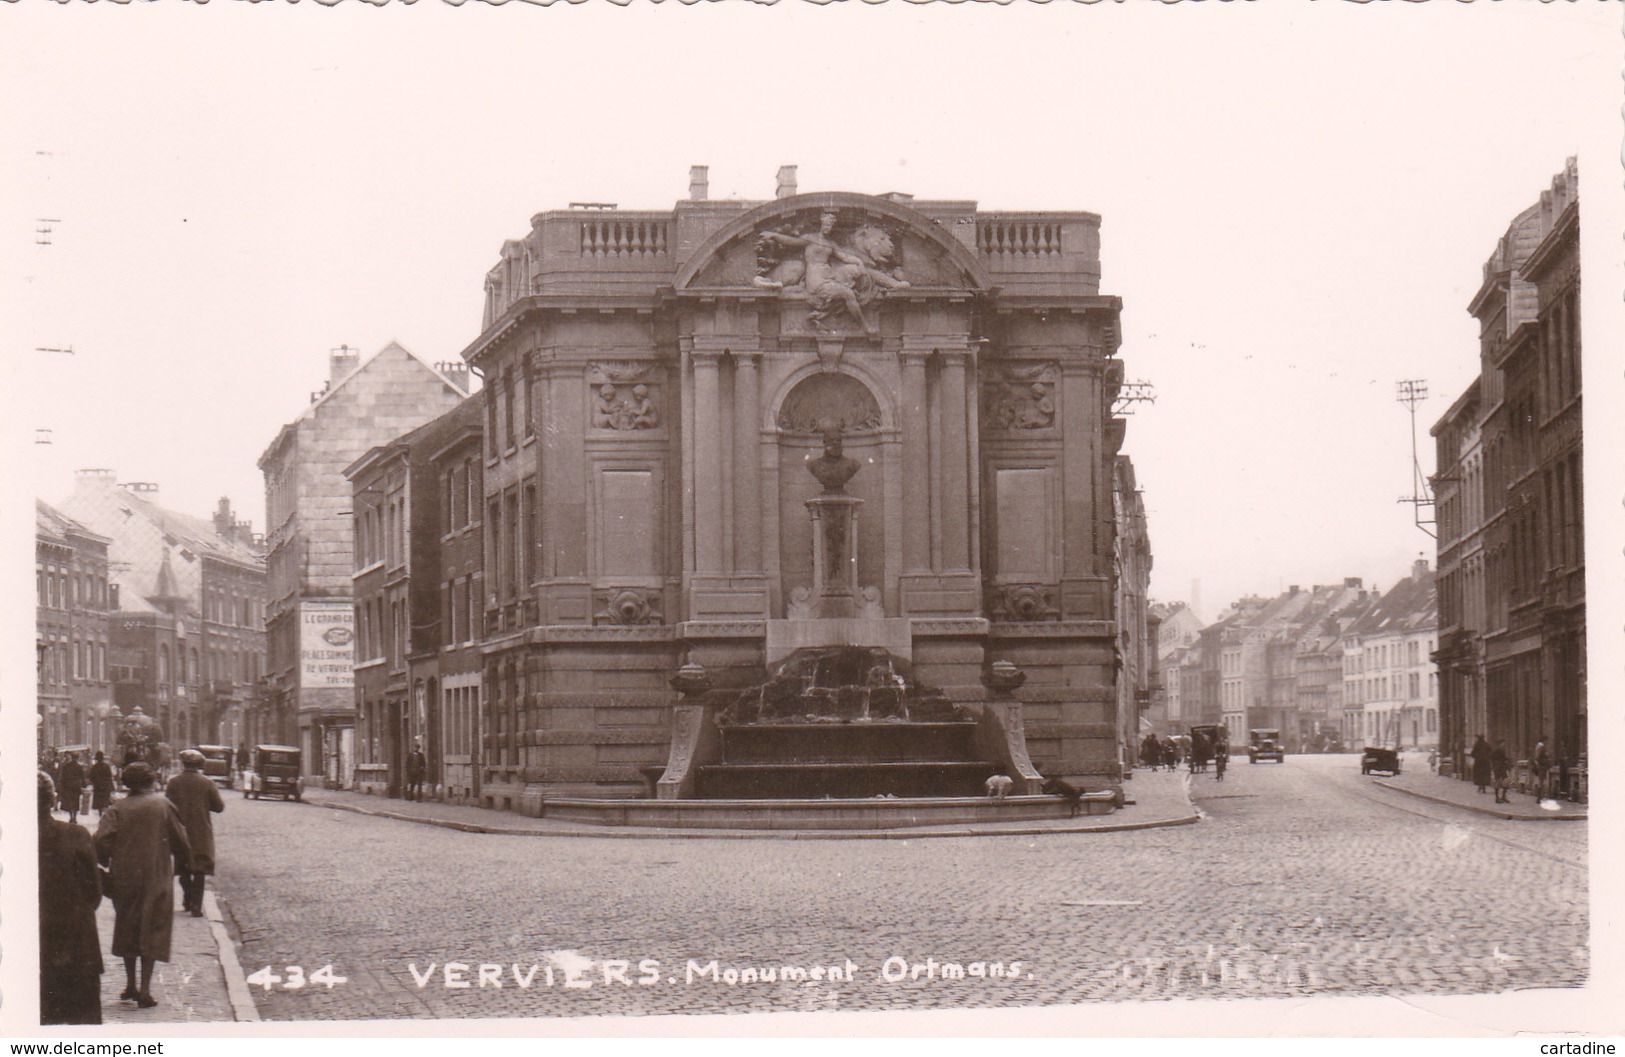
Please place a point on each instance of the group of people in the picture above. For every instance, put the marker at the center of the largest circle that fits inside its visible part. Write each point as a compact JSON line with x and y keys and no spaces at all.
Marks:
{"x":143,"y":840}
{"x":70,"y":777}
{"x":1174,"y":751}
{"x":1157,"y":753}
{"x":1492,"y":769}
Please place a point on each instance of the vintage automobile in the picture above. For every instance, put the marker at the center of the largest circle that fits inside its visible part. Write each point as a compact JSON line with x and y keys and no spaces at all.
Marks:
{"x":217,"y":764}
{"x":1264,"y":743}
{"x":1208,"y":743}
{"x":275,"y":772}
{"x":1376,"y":758}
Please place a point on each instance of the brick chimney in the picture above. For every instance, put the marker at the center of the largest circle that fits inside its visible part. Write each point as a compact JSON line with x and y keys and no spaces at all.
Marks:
{"x":1419,"y":568}
{"x":787,"y":182}
{"x":699,"y":183}
{"x":1352,"y":581}
{"x":342,"y":361}
{"x":455,"y":372}
{"x":224,"y":519}
{"x":97,"y":479}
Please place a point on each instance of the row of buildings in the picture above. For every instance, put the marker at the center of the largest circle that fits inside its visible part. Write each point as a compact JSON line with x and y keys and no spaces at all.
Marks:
{"x":145,"y":612}
{"x":1330,"y":666}
{"x":1510,"y":501}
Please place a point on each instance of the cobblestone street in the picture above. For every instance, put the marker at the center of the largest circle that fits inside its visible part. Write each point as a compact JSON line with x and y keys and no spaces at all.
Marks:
{"x":1302,"y":879}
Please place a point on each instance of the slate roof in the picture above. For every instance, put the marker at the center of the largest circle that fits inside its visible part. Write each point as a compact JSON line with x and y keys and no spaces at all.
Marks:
{"x":1409,"y":605}
{"x":49,"y":521}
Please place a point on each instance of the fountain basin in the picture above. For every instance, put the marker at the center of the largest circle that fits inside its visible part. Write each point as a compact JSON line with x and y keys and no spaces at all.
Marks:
{"x":873,"y":813}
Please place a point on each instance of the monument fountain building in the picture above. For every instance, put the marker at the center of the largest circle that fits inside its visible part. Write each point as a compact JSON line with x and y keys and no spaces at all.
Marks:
{"x":804,"y":497}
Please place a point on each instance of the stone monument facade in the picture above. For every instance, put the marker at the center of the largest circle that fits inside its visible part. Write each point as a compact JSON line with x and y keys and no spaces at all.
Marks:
{"x":727,"y":431}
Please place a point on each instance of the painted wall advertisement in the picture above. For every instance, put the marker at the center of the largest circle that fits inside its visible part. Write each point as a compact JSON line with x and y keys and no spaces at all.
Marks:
{"x":327,"y":645}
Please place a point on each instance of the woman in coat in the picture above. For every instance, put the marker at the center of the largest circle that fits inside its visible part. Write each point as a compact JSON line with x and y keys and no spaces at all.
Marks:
{"x":70,"y":888}
{"x":1481,"y":763}
{"x":139,"y":839}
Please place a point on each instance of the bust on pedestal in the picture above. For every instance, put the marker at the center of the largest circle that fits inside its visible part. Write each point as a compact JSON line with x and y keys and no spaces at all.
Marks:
{"x":834,"y":515}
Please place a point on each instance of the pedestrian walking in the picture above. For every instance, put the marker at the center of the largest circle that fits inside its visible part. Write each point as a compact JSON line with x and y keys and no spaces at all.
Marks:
{"x":1543,"y":763}
{"x":417,"y":768}
{"x":139,"y":840}
{"x":70,"y":889}
{"x":196,"y":797}
{"x":70,"y":785}
{"x":101,"y":783}
{"x":1481,"y":763}
{"x":1500,"y":772}
{"x":1221,"y":758}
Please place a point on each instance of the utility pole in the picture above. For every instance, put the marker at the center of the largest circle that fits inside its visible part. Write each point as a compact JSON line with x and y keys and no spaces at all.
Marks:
{"x":1131,"y":393}
{"x":1410,"y":392}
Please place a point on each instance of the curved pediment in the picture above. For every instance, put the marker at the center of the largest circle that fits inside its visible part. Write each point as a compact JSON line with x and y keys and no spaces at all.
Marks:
{"x":795,"y":244}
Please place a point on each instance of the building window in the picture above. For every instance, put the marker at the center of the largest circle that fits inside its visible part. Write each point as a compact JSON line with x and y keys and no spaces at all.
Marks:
{"x":515,"y":541}
{"x":524,"y":366}
{"x":530,"y":534}
{"x":491,"y":435}
{"x":507,"y":409}
{"x":493,"y":531}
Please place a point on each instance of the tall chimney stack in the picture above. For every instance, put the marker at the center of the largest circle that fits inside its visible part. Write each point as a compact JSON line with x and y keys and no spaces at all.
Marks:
{"x":787,"y":182}
{"x":699,"y":183}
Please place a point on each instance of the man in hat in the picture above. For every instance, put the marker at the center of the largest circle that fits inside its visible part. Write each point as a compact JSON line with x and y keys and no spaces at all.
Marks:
{"x":417,"y":768}
{"x":70,"y":784}
{"x":196,"y":797}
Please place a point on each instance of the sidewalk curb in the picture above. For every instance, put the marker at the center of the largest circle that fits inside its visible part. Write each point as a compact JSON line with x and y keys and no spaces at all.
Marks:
{"x":644,"y":833}
{"x":1509,"y":816}
{"x":237,"y":992}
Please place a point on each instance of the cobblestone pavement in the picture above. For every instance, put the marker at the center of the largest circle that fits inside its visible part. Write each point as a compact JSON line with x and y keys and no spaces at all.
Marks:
{"x":1303,"y":879}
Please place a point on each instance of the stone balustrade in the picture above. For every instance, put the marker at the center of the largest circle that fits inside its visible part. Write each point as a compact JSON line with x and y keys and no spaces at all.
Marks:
{"x":1015,"y":235}
{"x":623,"y":237}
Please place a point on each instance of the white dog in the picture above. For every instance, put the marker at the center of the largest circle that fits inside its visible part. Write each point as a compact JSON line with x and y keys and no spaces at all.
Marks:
{"x":999,"y":785}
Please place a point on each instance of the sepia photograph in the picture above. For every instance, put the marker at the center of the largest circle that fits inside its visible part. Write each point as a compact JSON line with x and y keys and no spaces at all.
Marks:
{"x":811,"y":519}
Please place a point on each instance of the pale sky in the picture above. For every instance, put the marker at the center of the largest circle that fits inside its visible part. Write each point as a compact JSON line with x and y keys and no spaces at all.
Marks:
{"x":1296,"y":205}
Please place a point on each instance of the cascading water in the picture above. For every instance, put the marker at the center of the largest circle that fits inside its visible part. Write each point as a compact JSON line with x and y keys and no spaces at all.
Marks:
{"x":844,"y":721}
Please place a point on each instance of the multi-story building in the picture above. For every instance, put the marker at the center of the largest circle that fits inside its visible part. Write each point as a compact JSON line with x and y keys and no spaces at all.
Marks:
{"x":656,"y":386}
{"x":1510,"y":495}
{"x":187,"y":641}
{"x":72,"y":636}
{"x":310,"y":616}
{"x":1463,"y":602}
{"x":1137,"y":675}
{"x":458,"y":464}
{"x":1391,"y":689}
{"x":416,"y":585}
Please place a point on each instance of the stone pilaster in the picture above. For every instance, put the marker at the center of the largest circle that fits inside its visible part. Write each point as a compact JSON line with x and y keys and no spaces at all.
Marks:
{"x":707,"y":463}
{"x":747,"y":482}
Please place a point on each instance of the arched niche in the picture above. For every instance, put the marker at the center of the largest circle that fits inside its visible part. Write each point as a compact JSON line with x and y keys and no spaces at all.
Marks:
{"x":819,"y":403}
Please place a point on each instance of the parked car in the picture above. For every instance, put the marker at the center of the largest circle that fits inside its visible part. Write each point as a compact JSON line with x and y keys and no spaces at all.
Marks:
{"x":1264,"y":743}
{"x":1376,"y":758}
{"x":276,"y":771}
{"x":217,"y":764}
